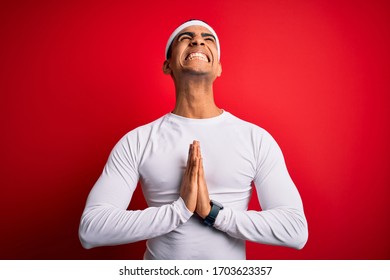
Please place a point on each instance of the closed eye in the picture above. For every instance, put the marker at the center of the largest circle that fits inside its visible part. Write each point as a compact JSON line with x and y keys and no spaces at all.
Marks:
{"x":208,"y":37}
{"x":185,"y":36}
{"x":182,"y":38}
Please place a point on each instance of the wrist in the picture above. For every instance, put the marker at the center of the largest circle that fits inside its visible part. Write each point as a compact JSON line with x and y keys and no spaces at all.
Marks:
{"x":216,"y":207}
{"x":205,"y":211}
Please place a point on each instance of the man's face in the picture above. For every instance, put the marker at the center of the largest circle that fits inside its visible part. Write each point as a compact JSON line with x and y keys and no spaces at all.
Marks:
{"x":194,"y":50}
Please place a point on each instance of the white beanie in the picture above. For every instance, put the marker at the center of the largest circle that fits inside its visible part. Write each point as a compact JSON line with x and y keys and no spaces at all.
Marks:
{"x":192,"y":23}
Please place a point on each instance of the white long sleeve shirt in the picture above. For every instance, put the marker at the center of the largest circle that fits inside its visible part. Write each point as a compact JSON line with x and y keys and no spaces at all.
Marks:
{"x":235,"y":154}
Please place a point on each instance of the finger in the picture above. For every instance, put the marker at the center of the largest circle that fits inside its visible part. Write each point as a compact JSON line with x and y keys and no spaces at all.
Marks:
{"x":203,"y":200}
{"x":202,"y":181}
{"x":199,"y":153}
{"x":190,"y":153}
{"x":201,"y":170}
{"x":188,"y":166}
{"x":198,"y":150}
{"x":196,"y":145}
{"x":193,"y":165}
{"x":194,"y":170}
{"x":195,"y":158}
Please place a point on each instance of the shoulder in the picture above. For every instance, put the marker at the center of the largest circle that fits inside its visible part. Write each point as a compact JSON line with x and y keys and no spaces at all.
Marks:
{"x":258,"y":136}
{"x":247,"y":126}
{"x":144,"y":130}
{"x":136,"y":138}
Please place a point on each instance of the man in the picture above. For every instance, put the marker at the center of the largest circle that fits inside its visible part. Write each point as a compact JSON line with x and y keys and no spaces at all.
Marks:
{"x":196,"y":166}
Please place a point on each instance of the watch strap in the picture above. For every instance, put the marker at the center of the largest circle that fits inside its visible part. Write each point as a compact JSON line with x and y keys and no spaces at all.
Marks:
{"x":215,"y":208}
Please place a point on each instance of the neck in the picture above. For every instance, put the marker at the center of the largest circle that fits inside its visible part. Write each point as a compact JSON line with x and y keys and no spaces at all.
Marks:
{"x":195,"y":99}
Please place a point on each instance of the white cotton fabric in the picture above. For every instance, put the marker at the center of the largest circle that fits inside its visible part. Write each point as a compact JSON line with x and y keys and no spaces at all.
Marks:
{"x":235,"y":154}
{"x":192,"y":23}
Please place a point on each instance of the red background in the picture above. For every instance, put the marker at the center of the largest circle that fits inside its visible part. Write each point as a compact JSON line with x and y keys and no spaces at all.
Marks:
{"x":76,"y":76}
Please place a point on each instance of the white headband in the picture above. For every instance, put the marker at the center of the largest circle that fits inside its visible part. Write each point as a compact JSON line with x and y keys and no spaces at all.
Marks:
{"x":192,"y":23}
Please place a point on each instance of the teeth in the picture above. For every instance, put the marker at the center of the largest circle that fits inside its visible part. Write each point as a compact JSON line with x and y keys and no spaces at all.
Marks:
{"x":200,"y":56}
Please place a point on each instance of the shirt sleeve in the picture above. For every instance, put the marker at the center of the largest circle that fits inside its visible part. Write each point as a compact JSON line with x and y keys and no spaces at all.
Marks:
{"x":282,"y":220}
{"x":106,"y":220}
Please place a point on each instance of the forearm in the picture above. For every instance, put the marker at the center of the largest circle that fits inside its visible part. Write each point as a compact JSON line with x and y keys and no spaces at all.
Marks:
{"x":282,"y":221}
{"x":104,"y":224}
{"x":279,"y":226}
{"x":106,"y":220}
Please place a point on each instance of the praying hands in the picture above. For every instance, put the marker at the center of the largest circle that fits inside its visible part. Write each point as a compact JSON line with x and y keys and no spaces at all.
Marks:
{"x":193,"y":188}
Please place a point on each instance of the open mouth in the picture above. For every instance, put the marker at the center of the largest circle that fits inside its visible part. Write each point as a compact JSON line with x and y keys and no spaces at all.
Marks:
{"x":198,"y":56}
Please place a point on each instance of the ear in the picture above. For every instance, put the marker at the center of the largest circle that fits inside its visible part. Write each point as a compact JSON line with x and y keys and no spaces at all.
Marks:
{"x":166,"y":69}
{"x":219,"y":72}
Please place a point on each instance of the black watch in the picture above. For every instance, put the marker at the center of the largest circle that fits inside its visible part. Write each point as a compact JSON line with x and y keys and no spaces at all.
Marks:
{"x":215,"y":208}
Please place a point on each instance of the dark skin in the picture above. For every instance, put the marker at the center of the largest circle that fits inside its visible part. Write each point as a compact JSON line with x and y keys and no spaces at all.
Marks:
{"x":193,"y":188}
{"x":194,"y":66}
{"x":192,"y":34}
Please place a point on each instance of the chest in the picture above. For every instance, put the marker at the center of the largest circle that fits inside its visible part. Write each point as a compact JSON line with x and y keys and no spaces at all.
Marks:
{"x":229,"y":165}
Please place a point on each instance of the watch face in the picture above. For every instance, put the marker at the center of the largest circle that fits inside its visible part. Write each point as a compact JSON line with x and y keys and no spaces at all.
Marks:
{"x":216,"y":203}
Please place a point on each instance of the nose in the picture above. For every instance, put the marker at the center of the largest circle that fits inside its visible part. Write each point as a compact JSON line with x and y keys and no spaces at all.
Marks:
{"x":197,"y":40}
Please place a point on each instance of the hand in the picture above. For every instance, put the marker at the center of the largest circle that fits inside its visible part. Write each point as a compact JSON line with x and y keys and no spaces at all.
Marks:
{"x":203,"y":206}
{"x":189,"y":184}
{"x":193,"y":187}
